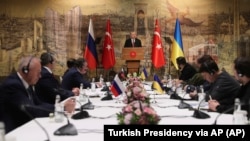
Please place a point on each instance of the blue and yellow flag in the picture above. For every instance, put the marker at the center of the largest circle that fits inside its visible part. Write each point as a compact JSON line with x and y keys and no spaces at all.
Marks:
{"x":157,"y":85}
{"x":177,"y":47}
{"x":144,"y":74}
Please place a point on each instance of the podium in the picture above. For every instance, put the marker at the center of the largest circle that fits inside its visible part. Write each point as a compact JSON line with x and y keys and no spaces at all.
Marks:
{"x":133,"y":55}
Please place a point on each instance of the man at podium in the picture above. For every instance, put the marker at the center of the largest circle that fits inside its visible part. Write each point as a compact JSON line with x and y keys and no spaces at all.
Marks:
{"x":132,"y":54}
{"x":133,"y":41}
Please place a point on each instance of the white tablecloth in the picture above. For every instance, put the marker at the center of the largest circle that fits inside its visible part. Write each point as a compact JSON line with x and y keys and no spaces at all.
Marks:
{"x":105,"y":114}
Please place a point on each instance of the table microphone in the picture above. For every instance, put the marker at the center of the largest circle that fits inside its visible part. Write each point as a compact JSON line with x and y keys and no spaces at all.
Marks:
{"x":23,"y":108}
{"x":174,"y":95}
{"x":68,"y":129}
{"x":88,"y":105}
{"x":226,"y":111}
{"x":184,"y":105}
{"x":231,"y":109}
{"x":108,"y":96}
{"x":83,"y":114}
{"x":199,"y":114}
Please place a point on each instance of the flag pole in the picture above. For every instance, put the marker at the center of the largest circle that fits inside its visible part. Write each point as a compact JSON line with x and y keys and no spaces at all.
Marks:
{"x":169,"y":58}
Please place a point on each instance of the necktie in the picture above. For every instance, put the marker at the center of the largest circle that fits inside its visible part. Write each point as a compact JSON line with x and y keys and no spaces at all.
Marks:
{"x":133,"y":42}
{"x":30,"y":93}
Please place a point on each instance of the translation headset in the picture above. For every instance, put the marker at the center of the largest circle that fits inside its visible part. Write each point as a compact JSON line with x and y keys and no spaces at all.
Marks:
{"x":25,"y":69}
{"x":210,"y":71}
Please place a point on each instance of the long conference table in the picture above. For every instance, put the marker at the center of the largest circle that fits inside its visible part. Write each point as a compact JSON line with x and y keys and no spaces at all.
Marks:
{"x":104,"y":113}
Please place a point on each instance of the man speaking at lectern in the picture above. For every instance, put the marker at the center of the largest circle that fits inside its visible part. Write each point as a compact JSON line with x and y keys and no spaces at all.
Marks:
{"x":133,"y":56}
{"x":133,"y":41}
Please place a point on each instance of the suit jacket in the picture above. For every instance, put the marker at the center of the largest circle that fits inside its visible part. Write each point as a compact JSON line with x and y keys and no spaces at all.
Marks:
{"x":128,"y":43}
{"x":13,"y":98}
{"x":48,"y":87}
{"x":187,"y":72}
{"x":224,"y":89}
{"x":73,"y":78}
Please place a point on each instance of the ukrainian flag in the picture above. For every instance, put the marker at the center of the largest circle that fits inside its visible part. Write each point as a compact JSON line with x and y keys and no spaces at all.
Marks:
{"x":157,"y":85}
{"x":144,"y":74}
{"x":177,"y":47}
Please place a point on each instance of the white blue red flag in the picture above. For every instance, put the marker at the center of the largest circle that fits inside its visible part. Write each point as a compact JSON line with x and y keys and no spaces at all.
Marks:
{"x":90,"y":53}
{"x":117,"y":87}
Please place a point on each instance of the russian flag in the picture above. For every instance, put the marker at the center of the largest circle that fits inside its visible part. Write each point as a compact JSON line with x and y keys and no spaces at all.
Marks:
{"x":117,"y":87}
{"x":90,"y":53}
{"x":177,"y":47}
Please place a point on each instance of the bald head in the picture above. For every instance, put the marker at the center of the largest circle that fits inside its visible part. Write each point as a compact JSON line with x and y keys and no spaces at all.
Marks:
{"x":30,"y":69}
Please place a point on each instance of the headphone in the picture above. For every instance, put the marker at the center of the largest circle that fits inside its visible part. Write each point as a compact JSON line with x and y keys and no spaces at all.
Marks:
{"x":46,"y":58}
{"x":25,"y":69}
{"x":210,"y":71}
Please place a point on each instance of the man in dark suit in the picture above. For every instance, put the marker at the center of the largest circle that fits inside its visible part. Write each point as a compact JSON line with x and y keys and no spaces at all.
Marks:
{"x":187,"y":71}
{"x":71,"y":62}
{"x":48,"y":86}
{"x":18,"y":95}
{"x":133,"y":41}
{"x":77,"y":75}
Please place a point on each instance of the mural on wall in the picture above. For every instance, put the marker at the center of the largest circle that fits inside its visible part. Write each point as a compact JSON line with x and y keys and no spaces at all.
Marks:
{"x":60,"y":27}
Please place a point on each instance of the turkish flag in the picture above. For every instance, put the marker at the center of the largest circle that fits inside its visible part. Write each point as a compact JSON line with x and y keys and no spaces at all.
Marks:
{"x":157,"y":57}
{"x":108,"y":55}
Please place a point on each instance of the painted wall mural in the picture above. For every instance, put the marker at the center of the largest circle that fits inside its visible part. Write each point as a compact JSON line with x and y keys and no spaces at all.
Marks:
{"x":28,"y":27}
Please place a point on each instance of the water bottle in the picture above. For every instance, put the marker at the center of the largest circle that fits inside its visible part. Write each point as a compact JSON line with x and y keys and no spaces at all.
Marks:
{"x":101,"y":80}
{"x":59,"y":110}
{"x":239,"y":116}
{"x":2,"y":131}
{"x":93,"y":85}
{"x":82,"y":95}
{"x":237,"y":105}
{"x":170,"y":83}
{"x":201,"y":96}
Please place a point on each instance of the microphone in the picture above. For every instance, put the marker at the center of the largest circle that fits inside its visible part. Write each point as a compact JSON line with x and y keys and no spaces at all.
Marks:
{"x":88,"y":105}
{"x":199,"y":114}
{"x":68,"y":129}
{"x":226,"y":111}
{"x":83,"y":114}
{"x":105,"y":88}
{"x":231,"y":109}
{"x":108,"y":95}
{"x":23,"y":108}
{"x":174,"y":95}
{"x":184,"y":105}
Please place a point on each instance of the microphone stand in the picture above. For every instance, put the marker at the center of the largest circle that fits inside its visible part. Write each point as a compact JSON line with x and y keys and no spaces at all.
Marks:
{"x":23,"y":108}
{"x":199,"y":114}
{"x":108,"y":94}
{"x":68,"y":129}
{"x":229,"y":109}
{"x":82,"y":114}
{"x":182,"y":104}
